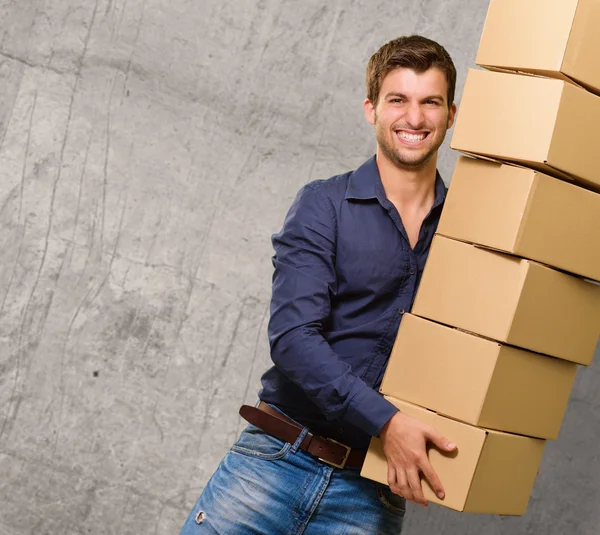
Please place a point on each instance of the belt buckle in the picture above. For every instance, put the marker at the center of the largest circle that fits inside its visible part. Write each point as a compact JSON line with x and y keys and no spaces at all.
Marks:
{"x":346,"y":455}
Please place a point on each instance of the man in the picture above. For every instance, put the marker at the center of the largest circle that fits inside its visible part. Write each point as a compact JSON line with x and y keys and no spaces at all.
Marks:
{"x":348,"y":262}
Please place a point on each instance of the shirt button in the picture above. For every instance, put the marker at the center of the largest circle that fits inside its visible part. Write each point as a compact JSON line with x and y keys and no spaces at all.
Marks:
{"x":411,"y":271}
{"x":401,"y":311}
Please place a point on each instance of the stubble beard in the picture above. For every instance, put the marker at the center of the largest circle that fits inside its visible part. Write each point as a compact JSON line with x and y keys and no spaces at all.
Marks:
{"x":395,"y":156}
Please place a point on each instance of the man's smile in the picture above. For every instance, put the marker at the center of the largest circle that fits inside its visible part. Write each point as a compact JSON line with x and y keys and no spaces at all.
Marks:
{"x":411,"y":137}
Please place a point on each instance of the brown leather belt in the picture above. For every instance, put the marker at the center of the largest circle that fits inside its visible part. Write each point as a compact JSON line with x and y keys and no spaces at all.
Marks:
{"x":326,"y":449}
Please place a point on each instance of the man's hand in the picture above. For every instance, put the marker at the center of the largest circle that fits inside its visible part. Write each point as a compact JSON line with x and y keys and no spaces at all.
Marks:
{"x":404,"y":442}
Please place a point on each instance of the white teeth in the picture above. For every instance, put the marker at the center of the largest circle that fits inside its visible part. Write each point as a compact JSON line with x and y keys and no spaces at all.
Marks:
{"x":411,"y":137}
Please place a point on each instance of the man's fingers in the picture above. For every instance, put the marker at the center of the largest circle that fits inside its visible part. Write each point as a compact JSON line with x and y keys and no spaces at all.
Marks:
{"x":398,"y":483}
{"x":415,"y":486}
{"x":441,"y":441}
{"x":405,"y":447}
{"x":403,"y":486}
{"x":392,"y":480}
{"x":433,"y":478}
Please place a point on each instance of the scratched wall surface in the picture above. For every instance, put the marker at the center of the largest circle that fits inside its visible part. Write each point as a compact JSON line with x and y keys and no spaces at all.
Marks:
{"x":148,"y":150}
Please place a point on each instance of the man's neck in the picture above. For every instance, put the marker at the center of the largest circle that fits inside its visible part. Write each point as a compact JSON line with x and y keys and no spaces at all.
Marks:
{"x":410,"y":190}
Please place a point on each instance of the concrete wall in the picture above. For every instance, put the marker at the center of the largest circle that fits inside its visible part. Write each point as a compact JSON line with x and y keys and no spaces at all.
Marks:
{"x":148,"y":150}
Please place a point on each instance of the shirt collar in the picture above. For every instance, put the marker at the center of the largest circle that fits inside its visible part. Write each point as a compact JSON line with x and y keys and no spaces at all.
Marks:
{"x":365,"y":183}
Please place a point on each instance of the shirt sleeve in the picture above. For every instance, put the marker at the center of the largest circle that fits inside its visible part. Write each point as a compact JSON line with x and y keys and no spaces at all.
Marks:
{"x":303,"y":283}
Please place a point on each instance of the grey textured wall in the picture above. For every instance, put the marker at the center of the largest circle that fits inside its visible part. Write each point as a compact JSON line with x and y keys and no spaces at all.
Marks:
{"x":148,"y":150}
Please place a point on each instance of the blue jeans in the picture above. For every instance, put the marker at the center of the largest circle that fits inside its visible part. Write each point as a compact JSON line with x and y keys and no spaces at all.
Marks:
{"x":265,"y":486}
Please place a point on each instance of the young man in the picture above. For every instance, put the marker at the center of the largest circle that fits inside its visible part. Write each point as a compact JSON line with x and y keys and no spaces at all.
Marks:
{"x":348,"y":262}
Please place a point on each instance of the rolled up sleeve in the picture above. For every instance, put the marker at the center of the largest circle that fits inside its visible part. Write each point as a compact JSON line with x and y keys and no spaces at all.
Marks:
{"x":304,"y":282}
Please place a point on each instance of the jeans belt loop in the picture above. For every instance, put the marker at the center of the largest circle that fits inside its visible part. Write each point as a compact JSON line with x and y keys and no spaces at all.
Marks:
{"x":299,"y":440}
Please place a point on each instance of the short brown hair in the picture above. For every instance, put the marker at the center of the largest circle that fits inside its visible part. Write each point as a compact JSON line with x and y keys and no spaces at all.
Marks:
{"x":412,"y":52}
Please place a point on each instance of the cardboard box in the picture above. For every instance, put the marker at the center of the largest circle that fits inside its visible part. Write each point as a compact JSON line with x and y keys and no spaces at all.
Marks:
{"x":477,"y":380}
{"x":491,"y":471}
{"x":516,"y":301}
{"x":525,"y":213}
{"x":556,"y":39}
{"x":545,"y":124}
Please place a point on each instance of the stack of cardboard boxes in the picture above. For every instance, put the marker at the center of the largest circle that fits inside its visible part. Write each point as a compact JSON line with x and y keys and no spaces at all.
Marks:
{"x":507,"y":309}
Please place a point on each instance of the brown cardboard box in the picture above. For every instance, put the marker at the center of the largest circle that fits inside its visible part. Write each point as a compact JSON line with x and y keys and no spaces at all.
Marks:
{"x":491,"y":471}
{"x":477,"y":380}
{"x":516,"y":301}
{"x":556,"y":39}
{"x":545,"y":124}
{"x":525,"y":213}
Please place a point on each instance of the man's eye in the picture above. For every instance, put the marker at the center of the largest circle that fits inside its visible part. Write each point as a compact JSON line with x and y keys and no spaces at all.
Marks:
{"x":433,"y":102}
{"x":397,"y":100}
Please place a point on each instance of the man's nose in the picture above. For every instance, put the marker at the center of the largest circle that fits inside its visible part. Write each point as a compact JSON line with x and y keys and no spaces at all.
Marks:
{"x":414,"y":116}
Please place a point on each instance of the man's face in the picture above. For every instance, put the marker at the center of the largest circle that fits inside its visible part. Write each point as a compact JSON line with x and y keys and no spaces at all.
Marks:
{"x":411,"y":117}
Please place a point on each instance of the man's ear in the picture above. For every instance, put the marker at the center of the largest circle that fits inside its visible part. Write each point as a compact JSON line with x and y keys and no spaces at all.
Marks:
{"x":451,"y":116}
{"x":369,"y":111}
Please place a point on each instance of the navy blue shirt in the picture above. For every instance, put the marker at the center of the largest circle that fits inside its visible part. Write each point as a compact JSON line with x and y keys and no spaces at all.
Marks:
{"x":345,"y":273}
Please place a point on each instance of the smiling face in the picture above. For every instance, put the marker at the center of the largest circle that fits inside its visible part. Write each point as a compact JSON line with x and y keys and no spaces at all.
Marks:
{"x":411,"y":117}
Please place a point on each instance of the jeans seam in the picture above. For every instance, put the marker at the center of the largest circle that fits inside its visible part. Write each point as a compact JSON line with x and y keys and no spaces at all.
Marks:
{"x":326,"y":478}
{"x":263,"y":456}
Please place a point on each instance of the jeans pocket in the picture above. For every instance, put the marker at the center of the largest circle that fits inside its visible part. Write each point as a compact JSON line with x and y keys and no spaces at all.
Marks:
{"x":254,"y":442}
{"x":392,"y":502}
